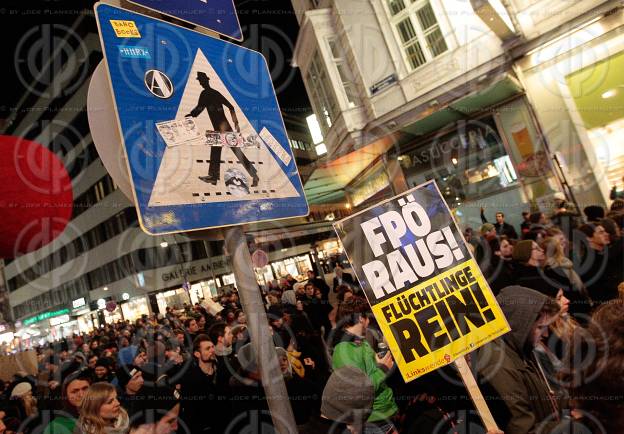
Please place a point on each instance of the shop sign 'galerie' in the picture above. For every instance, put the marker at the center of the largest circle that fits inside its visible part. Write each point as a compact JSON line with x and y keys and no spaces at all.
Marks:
{"x":425,"y":289}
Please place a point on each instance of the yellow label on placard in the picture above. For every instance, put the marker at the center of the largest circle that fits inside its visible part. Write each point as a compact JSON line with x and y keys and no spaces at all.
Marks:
{"x":125,"y":29}
{"x":437,"y":321}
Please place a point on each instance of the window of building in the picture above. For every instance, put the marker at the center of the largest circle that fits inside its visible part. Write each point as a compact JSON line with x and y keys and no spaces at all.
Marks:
{"x":300,"y":144}
{"x":317,"y":135}
{"x":321,"y":93}
{"x":344,"y":72}
{"x":468,"y":163}
{"x":418,"y":30}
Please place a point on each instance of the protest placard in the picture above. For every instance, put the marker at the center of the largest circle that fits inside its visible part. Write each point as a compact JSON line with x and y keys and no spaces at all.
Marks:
{"x":431,"y":300}
{"x":22,"y":362}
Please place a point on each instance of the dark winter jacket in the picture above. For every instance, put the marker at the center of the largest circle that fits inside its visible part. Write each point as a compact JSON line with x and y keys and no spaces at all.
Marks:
{"x":199,"y":391}
{"x":508,"y":366}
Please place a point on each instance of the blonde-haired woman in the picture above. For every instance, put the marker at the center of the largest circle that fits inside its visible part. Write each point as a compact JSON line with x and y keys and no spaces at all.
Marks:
{"x":101,"y":412}
{"x":559,"y":272}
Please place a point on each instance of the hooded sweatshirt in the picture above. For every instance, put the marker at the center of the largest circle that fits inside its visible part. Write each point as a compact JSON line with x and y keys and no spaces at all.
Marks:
{"x":508,"y":365}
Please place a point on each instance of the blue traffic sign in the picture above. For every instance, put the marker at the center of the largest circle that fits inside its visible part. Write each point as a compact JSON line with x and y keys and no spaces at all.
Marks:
{"x":216,"y":15}
{"x":203,"y":135}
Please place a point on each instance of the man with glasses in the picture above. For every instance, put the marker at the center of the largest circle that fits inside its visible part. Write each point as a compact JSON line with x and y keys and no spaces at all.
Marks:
{"x":529,"y":259}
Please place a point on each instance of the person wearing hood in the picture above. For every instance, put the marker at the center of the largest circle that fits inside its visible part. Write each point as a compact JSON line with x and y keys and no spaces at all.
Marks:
{"x":509,"y":367}
{"x":73,"y":390}
{"x":101,"y":412}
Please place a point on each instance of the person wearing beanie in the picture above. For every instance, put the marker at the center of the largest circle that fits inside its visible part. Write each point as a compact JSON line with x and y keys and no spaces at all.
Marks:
{"x":522,"y":251}
{"x":346,"y":404}
{"x":21,"y":389}
{"x":23,"y":403}
{"x":594,"y":213}
{"x":103,"y":370}
{"x":348,"y":396}
{"x":127,"y":354}
{"x":529,"y":260}
{"x":73,"y":390}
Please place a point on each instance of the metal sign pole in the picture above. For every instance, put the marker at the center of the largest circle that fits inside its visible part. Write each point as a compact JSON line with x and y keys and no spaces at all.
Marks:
{"x":261,"y":340}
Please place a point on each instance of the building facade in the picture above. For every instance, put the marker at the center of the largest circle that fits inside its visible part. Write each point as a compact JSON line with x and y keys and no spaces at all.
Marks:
{"x":471,"y":94}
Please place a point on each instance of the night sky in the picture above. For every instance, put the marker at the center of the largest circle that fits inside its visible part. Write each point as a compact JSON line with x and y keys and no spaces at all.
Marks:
{"x":269,"y":26}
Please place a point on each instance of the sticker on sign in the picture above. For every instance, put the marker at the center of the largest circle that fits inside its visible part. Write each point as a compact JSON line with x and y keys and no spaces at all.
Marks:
{"x":425,"y":289}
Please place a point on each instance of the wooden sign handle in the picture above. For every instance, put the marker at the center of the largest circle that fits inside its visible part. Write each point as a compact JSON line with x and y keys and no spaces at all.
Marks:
{"x":475,"y":394}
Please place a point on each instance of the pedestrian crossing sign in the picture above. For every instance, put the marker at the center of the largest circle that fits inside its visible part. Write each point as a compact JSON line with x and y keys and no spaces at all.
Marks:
{"x":204,"y":139}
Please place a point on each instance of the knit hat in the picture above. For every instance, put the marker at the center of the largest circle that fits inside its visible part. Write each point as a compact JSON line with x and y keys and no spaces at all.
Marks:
{"x":105,"y":362}
{"x":522,"y":251}
{"x":126,"y":355}
{"x":348,"y":396}
{"x":594,"y":213}
{"x":21,"y":389}
{"x":559,"y":196}
{"x":486,"y":227}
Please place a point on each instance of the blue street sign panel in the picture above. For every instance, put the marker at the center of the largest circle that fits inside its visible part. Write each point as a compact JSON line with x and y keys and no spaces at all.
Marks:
{"x":216,"y":15}
{"x":202,"y":131}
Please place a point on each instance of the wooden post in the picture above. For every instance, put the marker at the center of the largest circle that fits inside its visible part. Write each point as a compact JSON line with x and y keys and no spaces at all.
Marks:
{"x":475,"y":394}
{"x":258,"y":326}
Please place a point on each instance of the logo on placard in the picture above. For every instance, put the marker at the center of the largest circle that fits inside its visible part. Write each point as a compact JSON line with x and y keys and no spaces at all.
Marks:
{"x":125,"y":29}
{"x":158,"y":83}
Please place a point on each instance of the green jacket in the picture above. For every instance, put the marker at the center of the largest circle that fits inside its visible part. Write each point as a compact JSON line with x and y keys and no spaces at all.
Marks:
{"x":358,"y":353}
{"x":61,"y":425}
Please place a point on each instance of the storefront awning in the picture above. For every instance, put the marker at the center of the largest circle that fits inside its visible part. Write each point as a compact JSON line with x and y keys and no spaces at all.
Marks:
{"x":465,"y":107}
{"x":327,"y":183}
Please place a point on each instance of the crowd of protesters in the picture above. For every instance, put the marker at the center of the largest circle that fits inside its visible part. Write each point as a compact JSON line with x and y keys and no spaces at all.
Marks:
{"x":193,"y":369}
